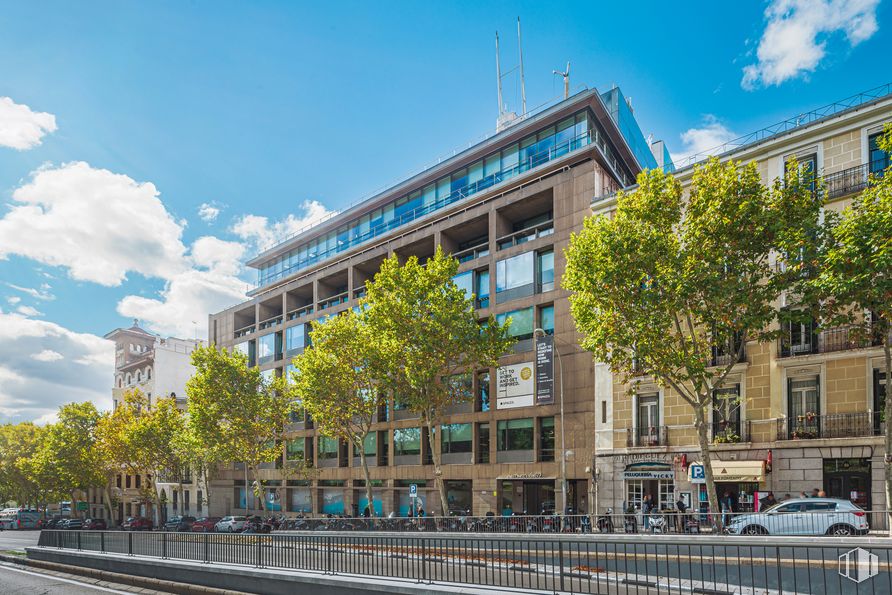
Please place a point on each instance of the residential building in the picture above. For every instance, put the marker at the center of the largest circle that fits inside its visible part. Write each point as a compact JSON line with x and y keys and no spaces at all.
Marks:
{"x":505,"y":209}
{"x":800,"y":413}
{"x":158,"y":368}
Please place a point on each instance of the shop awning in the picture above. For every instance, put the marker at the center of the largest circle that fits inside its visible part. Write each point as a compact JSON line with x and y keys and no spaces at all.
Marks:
{"x":730,"y":471}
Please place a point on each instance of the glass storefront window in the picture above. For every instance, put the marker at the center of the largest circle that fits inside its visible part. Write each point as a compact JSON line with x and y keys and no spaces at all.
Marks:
{"x":407,"y":441}
{"x":456,"y":438}
{"x":515,"y":434}
{"x":458,"y":496}
{"x":300,"y":500}
{"x":332,"y":501}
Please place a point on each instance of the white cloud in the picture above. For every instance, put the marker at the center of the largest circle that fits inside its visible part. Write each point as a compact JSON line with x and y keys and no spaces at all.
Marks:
{"x":795,"y":38}
{"x":13,"y":300}
{"x":208,"y":212}
{"x":701,"y":142}
{"x":217,"y":255}
{"x":28,"y":311}
{"x":39,"y":294}
{"x":98,"y":224}
{"x":45,"y":365}
{"x":48,"y":355}
{"x":262,"y":234}
{"x":21,"y":128}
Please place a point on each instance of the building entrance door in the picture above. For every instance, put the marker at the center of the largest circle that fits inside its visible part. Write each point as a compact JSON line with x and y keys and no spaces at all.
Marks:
{"x":538,"y":497}
{"x":879,"y":402}
{"x":848,"y":479}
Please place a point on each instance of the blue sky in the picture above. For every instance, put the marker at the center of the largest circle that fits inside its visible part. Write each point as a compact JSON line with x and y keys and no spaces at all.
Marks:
{"x":119,"y":120}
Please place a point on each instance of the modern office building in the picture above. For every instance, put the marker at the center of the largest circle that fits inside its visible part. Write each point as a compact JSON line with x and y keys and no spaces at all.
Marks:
{"x":157,"y":367}
{"x":505,"y":209}
{"x":801,"y":413}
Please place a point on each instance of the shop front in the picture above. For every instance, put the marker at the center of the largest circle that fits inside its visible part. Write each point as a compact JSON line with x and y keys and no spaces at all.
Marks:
{"x":656,"y":479}
{"x":739,"y":481}
{"x":526,"y":493}
{"x":848,"y":479}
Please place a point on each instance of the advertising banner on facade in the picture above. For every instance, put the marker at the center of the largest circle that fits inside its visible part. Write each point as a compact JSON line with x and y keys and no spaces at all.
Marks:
{"x":545,"y":370}
{"x":515,"y":386}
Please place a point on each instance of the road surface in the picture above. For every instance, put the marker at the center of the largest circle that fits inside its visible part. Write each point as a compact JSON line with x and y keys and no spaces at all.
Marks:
{"x":17,"y":540}
{"x":15,"y":580}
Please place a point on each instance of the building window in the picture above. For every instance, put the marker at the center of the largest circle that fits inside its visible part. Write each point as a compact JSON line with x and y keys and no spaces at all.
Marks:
{"x":808,"y":168}
{"x":199,"y":502}
{"x":546,"y":438}
{"x":128,"y":482}
{"x":483,"y":443}
{"x":804,"y":406}
{"x":268,"y":348}
{"x":328,"y":448}
{"x":799,"y":336}
{"x":634,"y":493}
{"x":465,"y":282}
{"x":407,"y":442}
{"x":515,"y":277}
{"x":545,"y":270}
{"x":878,"y":159}
{"x":481,"y":282}
{"x":521,"y":323}
{"x":295,"y":449}
{"x":138,"y":481}
{"x":295,"y":340}
{"x":248,"y":349}
{"x":370,"y":445}
{"x":648,"y":423}
{"x":461,"y":386}
{"x":456,"y":438}
{"x":483,"y":391}
{"x":546,"y":319}
{"x":726,"y":414}
{"x":458,"y":496}
{"x":515,"y":434}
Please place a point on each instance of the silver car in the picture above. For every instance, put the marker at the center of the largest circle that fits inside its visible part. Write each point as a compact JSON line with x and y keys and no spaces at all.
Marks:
{"x":803,"y":516}
{"x":231,"y":524}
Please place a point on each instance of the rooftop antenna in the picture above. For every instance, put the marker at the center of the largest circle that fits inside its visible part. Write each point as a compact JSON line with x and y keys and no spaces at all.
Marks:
{"x":566,"y":76}
{"x":523,"y":90}
{"x":499,"y":76}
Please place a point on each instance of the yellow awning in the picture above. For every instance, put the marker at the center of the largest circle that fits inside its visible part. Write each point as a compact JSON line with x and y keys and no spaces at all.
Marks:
{"x":732,"y":471}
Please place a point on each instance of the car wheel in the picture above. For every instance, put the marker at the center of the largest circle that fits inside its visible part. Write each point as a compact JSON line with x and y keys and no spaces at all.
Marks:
{"x":840,"y":530}
{"x":754,"y":530}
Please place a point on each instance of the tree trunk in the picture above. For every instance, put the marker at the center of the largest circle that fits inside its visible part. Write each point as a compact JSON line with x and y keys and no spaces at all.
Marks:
{"x":887,"y":458}
{"x":106,"y":491}
{"x":438,"y":469}
{"x":706,"y":455}
{"x":368,"y":481}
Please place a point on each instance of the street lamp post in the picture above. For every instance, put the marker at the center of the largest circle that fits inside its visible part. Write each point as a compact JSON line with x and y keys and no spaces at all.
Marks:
{"x":537,"y":332}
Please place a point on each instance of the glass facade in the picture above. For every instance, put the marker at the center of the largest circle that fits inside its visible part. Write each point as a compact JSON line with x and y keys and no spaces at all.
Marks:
{"x":295,"y":450}
{"x":483,"y":443}
{"x":625,"y":120}
{"x":516,"y":276}
{"x":407,"y":441}
{"x":878,"y":159}
{"x":546,"y":439}
{"x":328,"y":447}
{"x":483,"y":403}
{"x":515,"y":434}
{"x":545,"y":270}
{"x":534,"y":150}
{"x":482,"y":288}
{"x":247,"y":349}
{"x":546,"y":319}
{"x":461,"y":386}
{"x":370,"y":445}
{"x":456,"y":438}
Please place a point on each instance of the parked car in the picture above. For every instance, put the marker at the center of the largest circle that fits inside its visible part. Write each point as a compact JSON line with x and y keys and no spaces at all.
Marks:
{"x":179,"y":523}
{"x":232,"y":524}
{"x":73,"y":524}
{"x":136,"y":523}
{"x":205,"y":524}
{"x":803,"y":516}
{"x":95,"y":525}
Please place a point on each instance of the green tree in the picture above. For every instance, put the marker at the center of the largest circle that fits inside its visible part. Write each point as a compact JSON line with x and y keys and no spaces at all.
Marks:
{"x":20,"y":480}
{"x":429,"y":325}
{"x":235,"y":413}
{"x":855,"y":279}
{"x":115,"y":447}
{"x":341,"y":382}
{"x":69,"y":451}
{"x":664,"y":282}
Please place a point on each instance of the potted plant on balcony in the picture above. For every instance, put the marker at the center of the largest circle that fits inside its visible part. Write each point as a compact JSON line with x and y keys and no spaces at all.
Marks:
{"x":728,"y":436}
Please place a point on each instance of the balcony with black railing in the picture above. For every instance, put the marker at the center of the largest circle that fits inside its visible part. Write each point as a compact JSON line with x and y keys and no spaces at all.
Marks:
{"x":811,"y":426}
{"x":647,"y":436}
{"x":851,"y":180}
{"x":730,"y":432}
{"x":811,"y":341}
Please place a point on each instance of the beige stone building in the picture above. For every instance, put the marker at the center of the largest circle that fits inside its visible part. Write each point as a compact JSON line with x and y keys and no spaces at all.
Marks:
{"x":505,"y":209}
{"x":810,"y":403}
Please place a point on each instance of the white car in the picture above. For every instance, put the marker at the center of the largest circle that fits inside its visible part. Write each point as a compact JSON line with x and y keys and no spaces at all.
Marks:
{"x":231,"y":524}
{"x":803,"y":516}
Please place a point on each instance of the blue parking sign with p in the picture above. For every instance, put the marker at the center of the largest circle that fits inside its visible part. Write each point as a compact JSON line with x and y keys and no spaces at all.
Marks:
{"x":413,"y":490}
{"x":698,"y":472}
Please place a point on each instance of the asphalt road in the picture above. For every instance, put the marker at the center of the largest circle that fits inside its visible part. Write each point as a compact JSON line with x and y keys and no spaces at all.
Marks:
{"x":15,"y":580}
{"x":17,"y":540}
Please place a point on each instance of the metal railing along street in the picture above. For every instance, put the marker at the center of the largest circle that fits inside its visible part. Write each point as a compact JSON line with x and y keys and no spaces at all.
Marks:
{"x":555,"y":563}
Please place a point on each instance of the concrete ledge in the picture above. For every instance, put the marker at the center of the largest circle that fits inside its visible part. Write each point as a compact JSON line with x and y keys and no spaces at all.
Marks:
{"x":228,"y":579}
